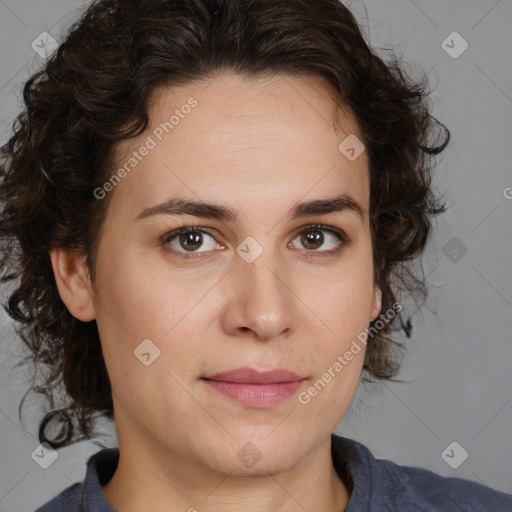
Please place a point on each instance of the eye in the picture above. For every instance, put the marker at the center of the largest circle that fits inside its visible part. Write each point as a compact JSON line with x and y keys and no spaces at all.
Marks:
{"x":316,"y":236}
{"x":190,"y":239}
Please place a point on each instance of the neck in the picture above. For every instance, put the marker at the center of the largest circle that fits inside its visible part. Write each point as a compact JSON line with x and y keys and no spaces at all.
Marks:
{"x":148,"y":481}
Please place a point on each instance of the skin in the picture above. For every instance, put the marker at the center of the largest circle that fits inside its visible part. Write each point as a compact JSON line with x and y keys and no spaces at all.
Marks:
{"x":258,"y":146}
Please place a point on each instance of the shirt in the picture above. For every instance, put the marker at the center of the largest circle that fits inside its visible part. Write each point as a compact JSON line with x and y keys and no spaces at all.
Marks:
{"x":376,"y":485}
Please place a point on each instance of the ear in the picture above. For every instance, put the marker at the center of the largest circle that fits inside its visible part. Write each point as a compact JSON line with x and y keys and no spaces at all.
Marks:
{"x":73,"y":282}
{"x":376,"y":304}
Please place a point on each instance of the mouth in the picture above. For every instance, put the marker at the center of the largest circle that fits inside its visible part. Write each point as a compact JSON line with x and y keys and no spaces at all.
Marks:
{"x":253,"y":388}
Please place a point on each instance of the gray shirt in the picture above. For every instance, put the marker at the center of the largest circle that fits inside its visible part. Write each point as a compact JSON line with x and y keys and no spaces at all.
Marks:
{"x":376,"y":485}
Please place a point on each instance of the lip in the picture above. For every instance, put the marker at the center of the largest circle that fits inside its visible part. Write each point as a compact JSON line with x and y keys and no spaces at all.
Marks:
{"x":248,"y":375}
{"x":253,"y":388}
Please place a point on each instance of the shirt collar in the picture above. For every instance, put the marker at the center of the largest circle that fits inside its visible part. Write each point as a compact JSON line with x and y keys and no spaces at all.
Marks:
{"x":100,"y":469}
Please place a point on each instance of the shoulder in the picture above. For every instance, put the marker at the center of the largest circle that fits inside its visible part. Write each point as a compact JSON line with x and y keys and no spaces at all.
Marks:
{"x":384,"y":485}
{"x":67,"y":501}
{"x":446,"y":493}
{"x":87,"y":495}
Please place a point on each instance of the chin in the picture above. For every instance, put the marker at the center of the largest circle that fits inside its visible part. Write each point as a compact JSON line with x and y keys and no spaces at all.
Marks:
{"x":257,"y":458}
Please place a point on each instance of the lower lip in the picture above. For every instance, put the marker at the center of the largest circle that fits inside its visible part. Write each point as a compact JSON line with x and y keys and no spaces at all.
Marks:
{"x":256,"y":395}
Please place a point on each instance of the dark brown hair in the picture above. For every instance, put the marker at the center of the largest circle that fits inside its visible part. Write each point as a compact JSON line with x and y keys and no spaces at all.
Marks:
{"x":94,"y":92}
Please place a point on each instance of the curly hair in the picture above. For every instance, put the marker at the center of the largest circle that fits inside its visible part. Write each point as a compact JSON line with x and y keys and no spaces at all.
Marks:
{"x":95,"y":91}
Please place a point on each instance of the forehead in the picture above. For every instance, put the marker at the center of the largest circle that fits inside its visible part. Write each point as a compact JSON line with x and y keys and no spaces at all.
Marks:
{"x":261,"y":139}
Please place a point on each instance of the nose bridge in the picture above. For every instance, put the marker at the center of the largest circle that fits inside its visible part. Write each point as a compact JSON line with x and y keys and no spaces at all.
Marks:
{"x":261,"y":300}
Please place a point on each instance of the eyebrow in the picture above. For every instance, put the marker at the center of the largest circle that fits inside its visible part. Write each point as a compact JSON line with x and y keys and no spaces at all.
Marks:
{"x":178,"y":206}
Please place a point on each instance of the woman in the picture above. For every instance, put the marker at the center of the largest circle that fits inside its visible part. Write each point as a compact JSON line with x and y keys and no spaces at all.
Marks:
{"x":209,"y":206}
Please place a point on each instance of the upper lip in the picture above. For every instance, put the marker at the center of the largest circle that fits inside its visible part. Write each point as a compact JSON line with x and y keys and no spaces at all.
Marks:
{"x":252,"y":376}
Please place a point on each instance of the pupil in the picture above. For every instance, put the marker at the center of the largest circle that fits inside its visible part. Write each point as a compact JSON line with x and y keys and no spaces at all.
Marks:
{"x":313,"y":237}
{"x":191,"y":241}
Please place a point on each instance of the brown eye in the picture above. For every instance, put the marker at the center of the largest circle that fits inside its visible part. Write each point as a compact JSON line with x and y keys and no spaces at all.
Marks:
{"x":312,"y":239}
{"x":190,"y":240}
{"x":316,"y":237}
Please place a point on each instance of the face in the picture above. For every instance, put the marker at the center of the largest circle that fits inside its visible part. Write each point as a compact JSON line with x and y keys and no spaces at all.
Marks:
{"x":253,"y":283}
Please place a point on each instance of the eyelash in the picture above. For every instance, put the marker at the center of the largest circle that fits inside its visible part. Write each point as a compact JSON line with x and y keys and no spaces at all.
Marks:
{"x":340,"y":235}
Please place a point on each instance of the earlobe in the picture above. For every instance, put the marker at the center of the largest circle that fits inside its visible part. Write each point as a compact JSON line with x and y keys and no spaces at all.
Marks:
{"x":73,"y":282}
{"x":376,"y":304}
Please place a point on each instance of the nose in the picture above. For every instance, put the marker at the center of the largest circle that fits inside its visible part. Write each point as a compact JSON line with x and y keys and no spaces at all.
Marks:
{"x":260,"y":301}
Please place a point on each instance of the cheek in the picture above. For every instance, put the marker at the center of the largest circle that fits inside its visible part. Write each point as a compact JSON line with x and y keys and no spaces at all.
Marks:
{"x":342,"y":305}
{"x":339,"y":355}
{"x":136,"y":301}
{"x":343,"y":299}
{"x":139,"y":295}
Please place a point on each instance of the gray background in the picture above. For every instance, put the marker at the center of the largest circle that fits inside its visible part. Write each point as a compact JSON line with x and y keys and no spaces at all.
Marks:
{"x":459,"y":384}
